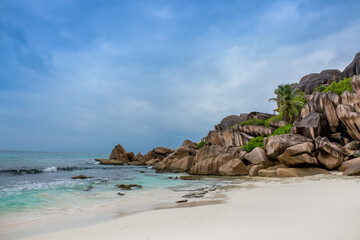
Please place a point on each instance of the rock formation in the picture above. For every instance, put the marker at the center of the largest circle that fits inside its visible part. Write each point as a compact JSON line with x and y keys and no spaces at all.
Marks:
{"x":353,"y":68}
{"x":309,"y":82}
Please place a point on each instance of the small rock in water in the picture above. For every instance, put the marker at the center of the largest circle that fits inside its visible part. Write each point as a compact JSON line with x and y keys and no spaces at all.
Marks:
{"x":128,"y":187}
{"x":80,"y":177}
{"x":120,"y":194}
{"x":88,"y":188}
{"x":181,"y":201}
{"x":142,"y":171}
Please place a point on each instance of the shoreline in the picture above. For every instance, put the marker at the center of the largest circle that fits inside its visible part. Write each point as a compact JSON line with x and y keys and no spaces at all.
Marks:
{"x":99,"y":221}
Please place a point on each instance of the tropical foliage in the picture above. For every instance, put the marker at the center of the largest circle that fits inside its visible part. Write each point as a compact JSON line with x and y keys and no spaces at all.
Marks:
{"x":283,"y":130}
{"x":291,"y":102}
{"x":336,"y":87}
{"x":254,"y":121}
{"x":253,"y":143}
{"x":200,"y":144}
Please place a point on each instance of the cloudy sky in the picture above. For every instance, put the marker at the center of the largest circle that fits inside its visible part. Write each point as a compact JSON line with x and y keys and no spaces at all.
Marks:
{"x":82,"y":76}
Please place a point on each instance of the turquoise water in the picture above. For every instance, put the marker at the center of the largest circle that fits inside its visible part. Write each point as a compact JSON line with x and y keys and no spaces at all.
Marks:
{"x":37,"y":184}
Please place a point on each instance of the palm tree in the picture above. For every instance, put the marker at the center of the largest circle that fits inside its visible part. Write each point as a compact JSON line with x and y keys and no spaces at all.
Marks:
{"x":290,"y":102}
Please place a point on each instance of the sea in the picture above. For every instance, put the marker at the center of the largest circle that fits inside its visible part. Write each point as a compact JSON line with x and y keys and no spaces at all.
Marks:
{"x":37,"y":185}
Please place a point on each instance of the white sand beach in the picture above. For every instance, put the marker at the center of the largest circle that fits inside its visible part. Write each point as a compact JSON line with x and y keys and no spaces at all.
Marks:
{"x":297,"y":209}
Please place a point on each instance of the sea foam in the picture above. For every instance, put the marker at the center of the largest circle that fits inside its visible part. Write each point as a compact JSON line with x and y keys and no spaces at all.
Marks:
{"x":50,"y":169}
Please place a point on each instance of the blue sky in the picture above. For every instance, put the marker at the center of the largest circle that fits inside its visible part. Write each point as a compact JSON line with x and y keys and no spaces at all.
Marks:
{"x":82,"y":76}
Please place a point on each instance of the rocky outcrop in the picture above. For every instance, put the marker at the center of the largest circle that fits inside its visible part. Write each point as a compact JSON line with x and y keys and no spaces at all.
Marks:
{"x":228,"y":122}
{"x":234,"y":167}
{"x":353,"y":68}
{"x":106,"y":161}
{"x":312,"y":126}
{"x":309,"y":82}
{"x":178,"y":155}
{"x":208,"y":160}
{"x":277,"y":124}
{"x":259,"y":115}
{"x":255,"y":130}
{"x":349,"y":111}
{"x":299,"y":155}
{"x":182,"y":165}
{"x":157,"y":154}
{"x":226,"y":138}
{"x":299,"y":172}
{"x":347,"y":164}
{"x":119,"y":154}
{"x":276,"y":145}
{"x":329,"y":154}
{"x":323,"y":103}
{"x":189,"y":144}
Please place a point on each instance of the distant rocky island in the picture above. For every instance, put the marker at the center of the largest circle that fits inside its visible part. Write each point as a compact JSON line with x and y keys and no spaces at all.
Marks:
{"x":317,"y":129}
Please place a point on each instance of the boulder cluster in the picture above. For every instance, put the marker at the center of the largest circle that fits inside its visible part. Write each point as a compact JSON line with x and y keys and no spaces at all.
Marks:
{"x":325,"y":137}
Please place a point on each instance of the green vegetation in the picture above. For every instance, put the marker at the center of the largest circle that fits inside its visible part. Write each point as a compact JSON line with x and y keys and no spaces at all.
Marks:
{"x":291,"y":102}
{"x":274,"y":118}
{"x":259,"y":141}
{"x":320,"y":88}
{"x":282,"y":130}
{"x":336,"y":87}
{"x":201,"y":144}
{"x":339,"y":87}
{"x":253,"y":143}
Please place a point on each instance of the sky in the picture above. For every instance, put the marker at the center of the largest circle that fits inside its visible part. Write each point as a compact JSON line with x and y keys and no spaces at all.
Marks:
{"x":85,"y":75}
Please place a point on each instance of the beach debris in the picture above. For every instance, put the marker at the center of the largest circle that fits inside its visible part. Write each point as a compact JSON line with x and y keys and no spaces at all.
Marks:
{"x":81,"y":177}
{"x":128,"y":187}
{"x":120,"y":194}
{"x":182,"y":201}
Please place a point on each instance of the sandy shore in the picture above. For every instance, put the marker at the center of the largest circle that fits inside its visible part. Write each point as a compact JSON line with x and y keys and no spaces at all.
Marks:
{"x":307,"y":209}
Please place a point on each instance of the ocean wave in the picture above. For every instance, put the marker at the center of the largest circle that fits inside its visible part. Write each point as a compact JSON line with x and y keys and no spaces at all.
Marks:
{"x":50,"y":169}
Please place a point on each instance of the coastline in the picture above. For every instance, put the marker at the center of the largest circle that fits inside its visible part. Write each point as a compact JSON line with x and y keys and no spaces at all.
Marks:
{"x":324,"y":206}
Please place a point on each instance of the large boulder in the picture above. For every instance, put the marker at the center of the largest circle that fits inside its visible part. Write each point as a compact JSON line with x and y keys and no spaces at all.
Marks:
{"x":256,"y":130}
{"x":257,"y":156}
{"x":226,"y":138}
{"x":158,"y":153}
{"x":228,"y":122}
{"x":277,"y":124}
{"x":276,"y":145}
{"x":329,"y":154}
{"x":309,"y":82}
{"x":347,"y":164}
{"x":234,"y":167}
{"x":324,"y":103}
{"x":182,"y":165}
{"x":353,"y":68}
{"x":299,"y":172}
{"x":352,"y":170}
{"x":354,"y":145}
{"x":119,"y":154}
{"x":349,"y":110}
{"x":312,"y":126}
{"x":178,"y":154}
{"x":208,"y":160}
{"x":299,"y":155}
{"x":254,"y":170}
